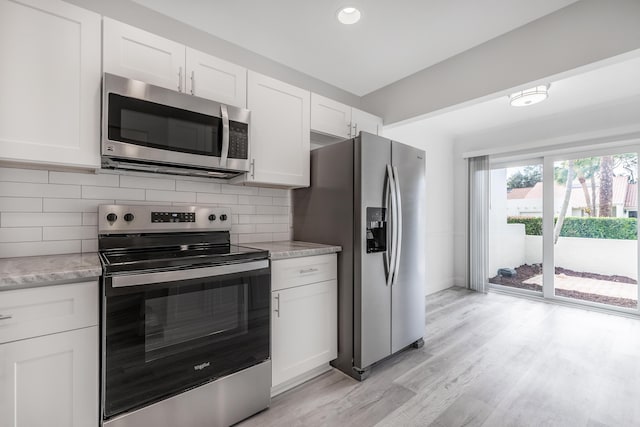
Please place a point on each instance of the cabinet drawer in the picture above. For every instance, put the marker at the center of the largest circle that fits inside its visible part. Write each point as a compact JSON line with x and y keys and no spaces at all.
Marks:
{"x":288,"y":273}
{"x":26,"y":313}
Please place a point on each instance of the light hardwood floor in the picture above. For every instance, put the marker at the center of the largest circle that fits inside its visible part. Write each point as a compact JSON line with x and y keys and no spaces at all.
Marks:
{"x":488,"y":360}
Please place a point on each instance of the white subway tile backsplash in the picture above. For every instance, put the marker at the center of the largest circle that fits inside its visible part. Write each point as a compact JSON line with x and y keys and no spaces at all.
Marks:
{"x":90,"y":178}
{"x":73,"y":205}
{"x":255,"y":200}
{"x":24,"y":175}
{"x":220,"y":199}
{"x":272,"y":210}
{"x":52,"y":247}
{"x":90,"y":218}
{"x":272,"y":228}
{"x":239,"y":189}
{"x":33,"y":219}
{"x":170,"y":196}
{"x":69,"y":233}
{"x":20,"y":234}
{"x":198,"y":186}
{"x":50,"y":212}
{"x":90,"y":245}
{"x":147,"y":183}
{"x":20,"y":204}
{"x":255,"y":219}
{"x":243,"y":228}
{"x":255,"y":237}
{"x":28,"y":189}
{"x":278,"y":237}
{"x":92,"y":192}
{"x":274,"y":192}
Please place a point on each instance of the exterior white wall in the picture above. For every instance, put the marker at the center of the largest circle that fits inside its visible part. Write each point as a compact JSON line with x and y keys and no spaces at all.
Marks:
{"x":601,"y":256}
{"x":439,"y":193}
{"x":506,"y":248}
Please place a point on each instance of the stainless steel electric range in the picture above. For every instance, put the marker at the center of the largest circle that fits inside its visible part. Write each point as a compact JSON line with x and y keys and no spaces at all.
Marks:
{"x":185,"y":318}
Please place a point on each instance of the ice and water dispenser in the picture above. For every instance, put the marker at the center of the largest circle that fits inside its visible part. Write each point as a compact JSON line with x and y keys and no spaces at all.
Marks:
{"x":376,"y":230}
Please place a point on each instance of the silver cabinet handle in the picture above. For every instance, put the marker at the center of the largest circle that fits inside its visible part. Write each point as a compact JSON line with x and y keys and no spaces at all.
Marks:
{"x":355,"y":130}
{"x":225,"y":135}
{"x":349,"y":127}
{"x":253,"y":168}
{"x":277,"y":310}
{"x":180,"y":79}
{"x":391,"y":252}
{"x":308,"y":270}
{"x":193,"y":82}
{"x":396,"y":180}
{"x":5,"y":316}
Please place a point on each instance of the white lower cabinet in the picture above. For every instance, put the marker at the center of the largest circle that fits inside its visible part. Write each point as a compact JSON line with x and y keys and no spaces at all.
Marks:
{"x":49,"y":361}
{"x":304,"y":324}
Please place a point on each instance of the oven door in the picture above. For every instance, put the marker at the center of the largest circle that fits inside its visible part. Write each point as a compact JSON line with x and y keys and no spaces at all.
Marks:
{"x":166,"y":332}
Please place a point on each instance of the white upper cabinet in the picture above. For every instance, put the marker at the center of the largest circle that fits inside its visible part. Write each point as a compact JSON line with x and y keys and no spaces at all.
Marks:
{"x":330,"y":117}
{"x":140,"y":55}
{"x":279,"y":132}
{"x":50,"y":83}
{"x":137,"y":54}
{"x":363,"y":121}
{"x":334,"y":118}
{"x":212,"y":78}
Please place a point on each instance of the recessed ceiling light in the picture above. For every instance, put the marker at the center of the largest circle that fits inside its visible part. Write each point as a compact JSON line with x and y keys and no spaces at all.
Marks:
{"x":528,"y":97}
{"x":348,"y":15}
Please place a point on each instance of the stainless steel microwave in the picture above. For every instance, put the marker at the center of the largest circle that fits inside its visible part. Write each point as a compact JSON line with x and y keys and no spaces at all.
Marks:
{"x":150,"y":128}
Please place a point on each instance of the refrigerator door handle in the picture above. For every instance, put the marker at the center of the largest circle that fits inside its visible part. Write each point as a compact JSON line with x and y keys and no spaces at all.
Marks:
{"x":398,"y":229}
{"x":391,"y":248}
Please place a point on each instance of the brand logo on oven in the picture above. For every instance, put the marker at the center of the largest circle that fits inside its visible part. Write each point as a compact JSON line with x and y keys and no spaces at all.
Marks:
{"x":201,"y":366}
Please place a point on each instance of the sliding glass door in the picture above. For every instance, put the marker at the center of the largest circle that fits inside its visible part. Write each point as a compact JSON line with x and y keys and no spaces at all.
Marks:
{"x":515,"y":226}
{"x":565,"y":227}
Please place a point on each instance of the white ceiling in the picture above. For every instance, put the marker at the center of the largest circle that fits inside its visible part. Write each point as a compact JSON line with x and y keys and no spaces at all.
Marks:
{"x":600,"y":87}
{"x":394,"y":39}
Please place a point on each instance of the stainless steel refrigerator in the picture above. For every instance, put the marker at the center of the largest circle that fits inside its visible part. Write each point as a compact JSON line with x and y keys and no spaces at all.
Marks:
{"x":367,"y":194}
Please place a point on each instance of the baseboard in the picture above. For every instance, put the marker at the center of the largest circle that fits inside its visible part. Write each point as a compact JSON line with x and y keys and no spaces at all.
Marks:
{"x":296,"y":381}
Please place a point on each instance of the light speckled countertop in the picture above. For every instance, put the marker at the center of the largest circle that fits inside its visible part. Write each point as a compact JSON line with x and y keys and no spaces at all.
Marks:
{"x":293,"y":249}
{"x":26,"y":272}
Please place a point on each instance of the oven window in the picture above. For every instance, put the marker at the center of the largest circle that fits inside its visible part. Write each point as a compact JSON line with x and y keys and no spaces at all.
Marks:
{"x":178,"y":317}
{"x":148,"y":124}
{"x":164,"y":338}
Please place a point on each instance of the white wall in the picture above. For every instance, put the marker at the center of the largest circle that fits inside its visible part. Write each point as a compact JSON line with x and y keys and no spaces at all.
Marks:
{"x":46,"y":212}
{"x":439,"y":194}
{"x":575,"y":36}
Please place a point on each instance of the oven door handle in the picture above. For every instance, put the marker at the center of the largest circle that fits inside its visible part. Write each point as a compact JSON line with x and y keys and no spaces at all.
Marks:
{"x":193,"y":273}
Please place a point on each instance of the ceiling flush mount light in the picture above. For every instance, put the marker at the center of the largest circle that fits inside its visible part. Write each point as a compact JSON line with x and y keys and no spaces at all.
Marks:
{"x":348,"y":15}
{"x":528,"y":97}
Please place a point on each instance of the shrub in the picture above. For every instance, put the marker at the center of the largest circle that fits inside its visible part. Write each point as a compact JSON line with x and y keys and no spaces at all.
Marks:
{"x":585,"y":227}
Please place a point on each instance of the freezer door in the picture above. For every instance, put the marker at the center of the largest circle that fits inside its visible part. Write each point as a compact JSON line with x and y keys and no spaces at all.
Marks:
{"x":407,"y":289}
{"x":372,"y":302}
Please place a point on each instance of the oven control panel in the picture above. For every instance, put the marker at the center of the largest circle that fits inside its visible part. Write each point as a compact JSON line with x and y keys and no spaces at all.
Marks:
{"x":119,"y":219}
{"x":173,"y":217}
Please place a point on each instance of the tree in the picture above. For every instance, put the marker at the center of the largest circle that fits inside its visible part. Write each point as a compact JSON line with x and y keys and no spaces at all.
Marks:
{"x":606,"y":186}
{"x":586,"y":169}
{"x":565,"y":174}
{"x":528,"y":177}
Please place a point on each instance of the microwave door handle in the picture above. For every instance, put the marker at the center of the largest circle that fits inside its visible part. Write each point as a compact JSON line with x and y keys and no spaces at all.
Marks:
{"x":225,"y":136}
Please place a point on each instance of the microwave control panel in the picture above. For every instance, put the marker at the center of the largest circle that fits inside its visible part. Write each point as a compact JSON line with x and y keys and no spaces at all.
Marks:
{"x":238,"y":140}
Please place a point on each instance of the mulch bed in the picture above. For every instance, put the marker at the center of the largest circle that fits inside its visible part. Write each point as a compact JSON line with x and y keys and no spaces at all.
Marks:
{"x":527,"y":271}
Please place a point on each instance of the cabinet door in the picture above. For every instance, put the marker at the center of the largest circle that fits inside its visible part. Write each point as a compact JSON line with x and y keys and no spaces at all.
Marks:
{"x":51,"y":380}
{"x":280,"y":134}
{"x":363,"y":121}
{"x":330,"y":117}
{"x":136,"y":54}
{"x":50,"y":85}
{"x":304,"y":325}
{"x":212,"y":78}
